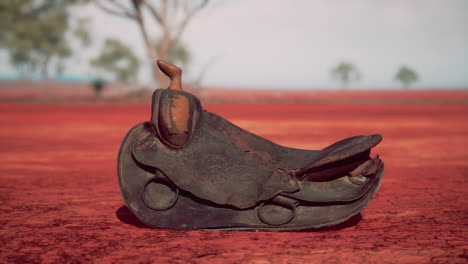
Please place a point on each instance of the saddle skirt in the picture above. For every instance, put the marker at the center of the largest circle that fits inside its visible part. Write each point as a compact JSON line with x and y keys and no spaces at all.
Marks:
{"x":227,"y":165}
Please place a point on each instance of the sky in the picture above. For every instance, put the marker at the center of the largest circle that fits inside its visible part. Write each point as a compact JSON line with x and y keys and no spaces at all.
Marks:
{"x":294,"y":44}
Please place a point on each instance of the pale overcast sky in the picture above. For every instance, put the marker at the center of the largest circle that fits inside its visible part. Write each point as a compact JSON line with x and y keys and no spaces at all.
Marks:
{"x":293,"y":44}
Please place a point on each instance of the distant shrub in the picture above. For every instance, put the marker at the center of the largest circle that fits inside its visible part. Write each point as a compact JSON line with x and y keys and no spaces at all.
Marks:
{"x":98,"y":85}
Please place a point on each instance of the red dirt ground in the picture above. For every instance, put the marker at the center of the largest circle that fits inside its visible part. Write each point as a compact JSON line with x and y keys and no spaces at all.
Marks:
{"x":60,"y":200}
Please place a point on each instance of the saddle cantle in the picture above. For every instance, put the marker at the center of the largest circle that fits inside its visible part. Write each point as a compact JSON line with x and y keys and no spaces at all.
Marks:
{"x":187,"y":168}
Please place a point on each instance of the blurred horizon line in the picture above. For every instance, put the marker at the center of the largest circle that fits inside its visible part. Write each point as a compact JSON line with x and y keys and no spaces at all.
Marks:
{"x":4,"y":83}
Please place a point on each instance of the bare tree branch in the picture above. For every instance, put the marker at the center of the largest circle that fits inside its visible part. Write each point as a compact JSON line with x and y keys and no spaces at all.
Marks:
{"x":120,"y":6}
{"x":164,"y":8}
{"x":155,"y":13}
{"x":117,"y":12}
{"x":141,"y":23}
{"x":181,"y":27}
{"x":172,"y":17}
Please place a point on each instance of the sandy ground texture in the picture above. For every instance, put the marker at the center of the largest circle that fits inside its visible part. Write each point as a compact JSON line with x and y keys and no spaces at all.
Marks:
{"x":60,"y":199}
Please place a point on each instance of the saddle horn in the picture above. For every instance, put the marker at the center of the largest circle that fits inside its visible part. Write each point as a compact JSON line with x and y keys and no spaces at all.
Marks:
{"x":174,"y":119}
{"x":173,"y":72}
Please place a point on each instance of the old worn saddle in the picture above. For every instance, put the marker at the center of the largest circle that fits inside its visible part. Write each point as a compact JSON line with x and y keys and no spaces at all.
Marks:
{"x":187,"y":168}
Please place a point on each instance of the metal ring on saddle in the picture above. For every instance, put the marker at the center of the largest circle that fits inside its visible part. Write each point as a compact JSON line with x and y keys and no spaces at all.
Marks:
{"x":160,"y":194}
{"x":276,"y":203}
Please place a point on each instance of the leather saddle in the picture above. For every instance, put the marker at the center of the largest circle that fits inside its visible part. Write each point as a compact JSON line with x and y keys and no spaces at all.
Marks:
{"x":187,"y":168}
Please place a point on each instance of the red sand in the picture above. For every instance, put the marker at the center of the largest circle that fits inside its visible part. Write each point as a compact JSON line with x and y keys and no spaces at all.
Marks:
{"x":60,"y":200}
{"x":32,"y":92}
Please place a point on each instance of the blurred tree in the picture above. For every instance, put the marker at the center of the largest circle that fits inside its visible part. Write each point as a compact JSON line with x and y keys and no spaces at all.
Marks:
{"x":81,"y":31}
{"x":406,"y":76}
{"x":118,"y":59}
{"x":34,"y":33}
{"x":345,"y":72}
{"x":172,"y":16}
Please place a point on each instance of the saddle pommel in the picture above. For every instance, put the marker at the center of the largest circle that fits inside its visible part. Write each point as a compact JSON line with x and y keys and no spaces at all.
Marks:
{"x":173,"y":72}
{"x":174,"y":110}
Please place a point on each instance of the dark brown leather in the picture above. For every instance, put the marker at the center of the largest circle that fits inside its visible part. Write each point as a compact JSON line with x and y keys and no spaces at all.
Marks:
{"x":221,"y":176}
